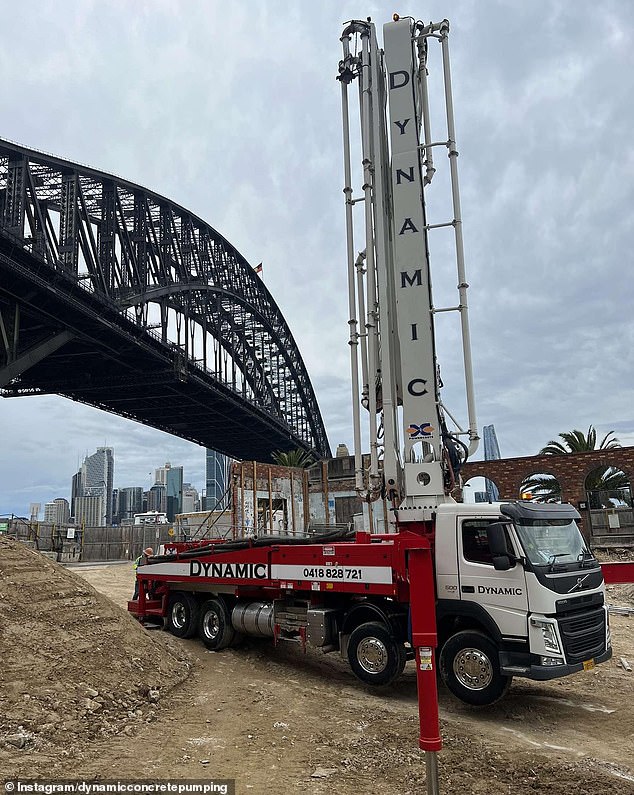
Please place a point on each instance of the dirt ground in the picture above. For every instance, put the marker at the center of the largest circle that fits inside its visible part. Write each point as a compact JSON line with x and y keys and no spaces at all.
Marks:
{"x":279,"y":721}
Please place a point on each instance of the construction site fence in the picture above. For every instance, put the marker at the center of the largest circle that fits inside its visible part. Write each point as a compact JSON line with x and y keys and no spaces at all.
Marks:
{"x":125,"y":542}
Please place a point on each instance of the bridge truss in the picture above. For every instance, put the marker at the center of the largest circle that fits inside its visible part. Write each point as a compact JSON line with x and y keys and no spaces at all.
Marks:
{"x":117,"y":297}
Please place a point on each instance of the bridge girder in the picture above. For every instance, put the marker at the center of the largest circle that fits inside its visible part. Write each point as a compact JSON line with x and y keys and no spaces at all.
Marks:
{"x":163,"y":270}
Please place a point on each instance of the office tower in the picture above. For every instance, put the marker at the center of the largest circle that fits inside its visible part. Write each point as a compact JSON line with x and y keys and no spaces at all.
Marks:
{"x":174,"y":492}
{"x":115,"y":506}
{"x":97,"y":473}
{"x":190,"y":499}
{"x":160,"y":474}
{"x":90,"y":511}
{"x":491,"y":453}
{"x":76,"y":490}
{"x":217,"y":481}
{"x":50,"y":512}
{"x":57,"y":512}
{"x":130,"y":502}
{"x":157,"y":498}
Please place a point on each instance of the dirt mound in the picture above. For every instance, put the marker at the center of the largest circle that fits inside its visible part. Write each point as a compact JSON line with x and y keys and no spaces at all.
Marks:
{"x":282,"y":721}
{"x":75,"y":667}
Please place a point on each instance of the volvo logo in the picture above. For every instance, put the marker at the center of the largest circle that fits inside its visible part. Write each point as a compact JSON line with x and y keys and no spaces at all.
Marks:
{"x":579,"y":583}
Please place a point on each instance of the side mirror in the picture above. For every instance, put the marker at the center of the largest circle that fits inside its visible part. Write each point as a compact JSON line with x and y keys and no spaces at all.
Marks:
{"x":497,"y":540}
{"x":501,"y":562}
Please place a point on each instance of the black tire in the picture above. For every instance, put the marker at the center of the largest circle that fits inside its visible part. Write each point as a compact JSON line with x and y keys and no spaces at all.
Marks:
{"x":470,"y":667}
{"x":375,"y":657}
{"x":214,"y":625}
{"x":182,"y":615}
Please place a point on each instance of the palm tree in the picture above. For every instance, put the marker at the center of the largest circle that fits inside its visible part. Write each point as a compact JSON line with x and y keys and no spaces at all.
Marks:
{"x":293,"y":458}
{"x":541,"y":488}
{"x":577,"y":442}
{"x":545,"y":488}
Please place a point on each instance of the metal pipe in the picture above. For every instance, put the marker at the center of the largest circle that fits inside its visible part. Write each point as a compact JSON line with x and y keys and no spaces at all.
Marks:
{"x":452,"y":418}
{"x":255,"y":497}
{"x":242,"y":511}
{"x":446,"y":309}
{"x":431,"y":771}
{"x":270,"y":503}
{"x":324,"y":483}
{"x":371,"y":314}
{"x":389,"y":355}
{"x":462,"y":283}
{"x":424,"y":92}
{"x":352,"y":301}
{"x":291,"y":478}
{"x":305,"y":503}
{"x":360,"y":269}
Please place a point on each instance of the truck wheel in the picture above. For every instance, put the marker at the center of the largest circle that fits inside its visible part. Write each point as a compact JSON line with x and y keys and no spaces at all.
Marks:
{"x":215,"y":629}
{"x":182,"y":615}
{"x":470,"y":667}
{"x":374,"y":656}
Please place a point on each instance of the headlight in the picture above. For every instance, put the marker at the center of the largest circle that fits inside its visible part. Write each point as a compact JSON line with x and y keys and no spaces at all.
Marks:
{"x":548,"y":633}
{"x":551,"y":661}
{"x":550,"y":637}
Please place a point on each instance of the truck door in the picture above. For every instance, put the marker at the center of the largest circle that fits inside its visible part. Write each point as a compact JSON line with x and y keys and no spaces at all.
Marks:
{"x":501,"y":593}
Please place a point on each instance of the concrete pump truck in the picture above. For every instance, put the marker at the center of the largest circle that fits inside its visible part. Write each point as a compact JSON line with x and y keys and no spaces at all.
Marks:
{"x":517,"y":591}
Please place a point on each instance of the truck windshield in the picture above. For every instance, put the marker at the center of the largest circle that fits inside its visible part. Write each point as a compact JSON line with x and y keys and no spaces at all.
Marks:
{"x":544,"y":538}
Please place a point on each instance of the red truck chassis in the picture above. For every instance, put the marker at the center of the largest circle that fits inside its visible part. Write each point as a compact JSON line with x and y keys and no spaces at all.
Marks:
{"x":373,"y":593}
{"x":359,"y":565}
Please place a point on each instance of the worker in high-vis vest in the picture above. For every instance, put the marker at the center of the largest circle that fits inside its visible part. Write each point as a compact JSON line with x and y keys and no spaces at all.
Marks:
{"x":141,"y":561}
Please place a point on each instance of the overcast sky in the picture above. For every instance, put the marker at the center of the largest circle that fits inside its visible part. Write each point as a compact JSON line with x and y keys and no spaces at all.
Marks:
{"x":233,"y":111}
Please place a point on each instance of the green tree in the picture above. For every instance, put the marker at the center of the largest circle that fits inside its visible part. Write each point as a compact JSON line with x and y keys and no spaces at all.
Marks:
{"x":545,"y":488}
{"x":293,"y":458}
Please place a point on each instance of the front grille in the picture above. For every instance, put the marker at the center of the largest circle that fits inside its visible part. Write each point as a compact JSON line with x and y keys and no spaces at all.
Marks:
{"x":583,"y":635}
{"x":565,"y":584}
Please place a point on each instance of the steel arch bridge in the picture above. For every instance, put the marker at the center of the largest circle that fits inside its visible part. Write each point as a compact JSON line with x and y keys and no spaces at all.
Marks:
{"x":114,"y":296}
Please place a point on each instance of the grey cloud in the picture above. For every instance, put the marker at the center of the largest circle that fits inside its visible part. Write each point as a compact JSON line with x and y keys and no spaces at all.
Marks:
{"x":233,"y":111}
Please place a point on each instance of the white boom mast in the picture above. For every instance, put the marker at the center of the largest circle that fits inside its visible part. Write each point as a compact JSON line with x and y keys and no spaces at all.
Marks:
{"x":401,"y":389}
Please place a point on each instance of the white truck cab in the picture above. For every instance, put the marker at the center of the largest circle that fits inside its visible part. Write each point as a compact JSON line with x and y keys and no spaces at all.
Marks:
{"x":519,"y":594}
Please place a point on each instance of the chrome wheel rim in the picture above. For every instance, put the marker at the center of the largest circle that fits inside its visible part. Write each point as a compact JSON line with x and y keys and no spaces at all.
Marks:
{"x":372,"y":655}
{"x":473,"y":669}
{"x":211,"y":625}
{"x":179,"y":615}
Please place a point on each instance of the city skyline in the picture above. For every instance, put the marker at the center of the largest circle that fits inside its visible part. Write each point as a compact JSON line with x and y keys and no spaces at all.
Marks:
{"x":48,"y":495}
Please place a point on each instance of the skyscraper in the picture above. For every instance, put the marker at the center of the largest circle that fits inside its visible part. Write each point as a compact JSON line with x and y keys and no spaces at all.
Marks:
{"x":167,"y":491}
{"x":115,"y":506}
{"x":160,"y":474}
{"x":90,"y":511}
{"x":57,"y":512}
{"x":217,"y":480}
{"x":157,"y":498}
{"x":174,"y":492}
{"x":97,"y":476}
{"x":190,"y":499}
{"x":130,"y":502}
{"x":491,"y":453}
{"x":75,"y":491}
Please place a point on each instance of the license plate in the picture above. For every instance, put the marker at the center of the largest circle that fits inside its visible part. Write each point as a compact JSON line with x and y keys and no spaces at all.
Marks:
{"x":588,"y":665}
